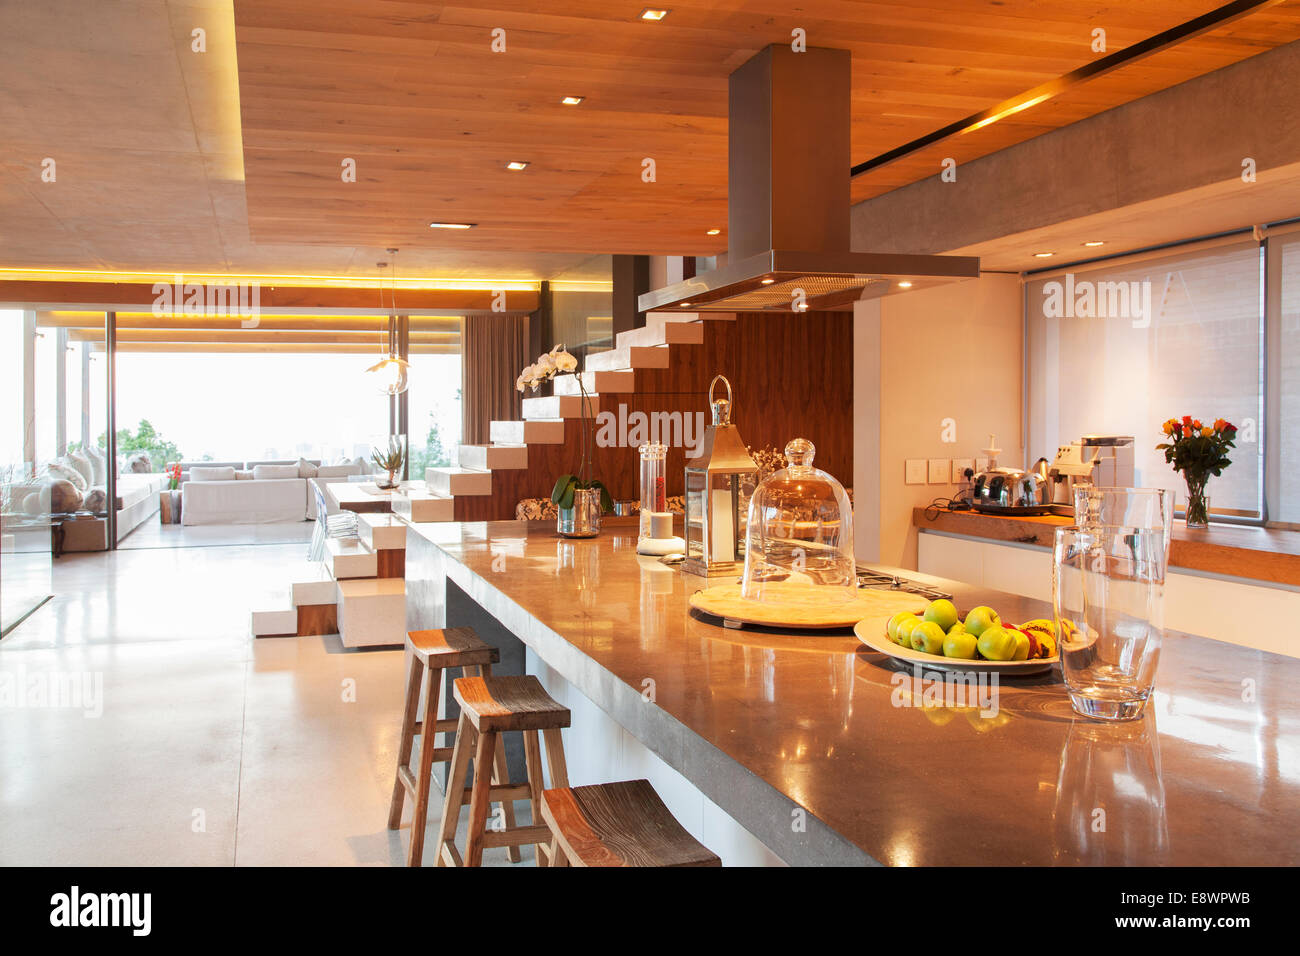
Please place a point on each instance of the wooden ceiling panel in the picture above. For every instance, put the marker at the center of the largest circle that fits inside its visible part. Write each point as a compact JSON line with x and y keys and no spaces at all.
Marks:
{"x":414,"y":92}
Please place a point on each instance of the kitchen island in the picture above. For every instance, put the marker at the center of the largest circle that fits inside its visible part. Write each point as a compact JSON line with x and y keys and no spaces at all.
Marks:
{"x":808,"y":748}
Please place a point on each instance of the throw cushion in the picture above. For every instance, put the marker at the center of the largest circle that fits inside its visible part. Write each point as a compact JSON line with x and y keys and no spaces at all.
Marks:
{"x":263,"y":472}
{"x":336,"y":471}
{"x":306,"y":469}
{"x":212,"y":473}
{"x":65,"y":497}
{"x":64,"y":471}
{"x":38,"y":502}
{"x":243,"y":475}
{"x":363,"y":466}
{"x":81,"y":461}
{"x":95,"y":501}
{"x":97,"y":463}
{"x":139,"y":464}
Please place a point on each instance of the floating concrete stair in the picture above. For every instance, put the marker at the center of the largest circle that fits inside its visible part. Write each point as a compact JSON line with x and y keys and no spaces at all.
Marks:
{"x":537,"y":432}
{"x":381,"y":532}
{"x":665,"y":333}
{"x":559,"y":406}
{"x":275,"y":623}
{"x":602,"y":383}
{"x":372,"y":612}
{"x":349,"y":558}
{"x":458,"y":481}
{"x":314,"y":587}
{"x":493,"y":457}
{"x":632,"y":356}
{"x":418,"y":507}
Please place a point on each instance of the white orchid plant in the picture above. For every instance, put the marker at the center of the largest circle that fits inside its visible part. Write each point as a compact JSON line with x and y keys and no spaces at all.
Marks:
{"x":558,"y":361}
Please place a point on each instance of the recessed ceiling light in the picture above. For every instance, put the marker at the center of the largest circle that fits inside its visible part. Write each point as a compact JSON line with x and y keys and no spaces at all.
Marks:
{"x":1043,"y":255}
{"x":654,"y":14}
{"x":713,"y":232}
{"x":1095,"y":242}
{"x":572,"y":100}
{"x":768,"y":281}
{"x":516,"y":165}
{"x":905,"y":284}
{"x":682,"y":305}
{"x":452,"y":225}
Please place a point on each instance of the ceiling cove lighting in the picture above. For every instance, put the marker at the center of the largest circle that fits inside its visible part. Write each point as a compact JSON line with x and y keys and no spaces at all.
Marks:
{"x":417,"y":283}
{"x":452,"y":225}
{"x":654,"y":14}
{"x":1009,"y":111}
{"x":516,"y":165}
{"x":572,"y":100}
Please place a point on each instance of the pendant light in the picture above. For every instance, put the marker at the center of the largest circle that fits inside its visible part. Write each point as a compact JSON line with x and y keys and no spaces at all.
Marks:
{"x":389,"y":374}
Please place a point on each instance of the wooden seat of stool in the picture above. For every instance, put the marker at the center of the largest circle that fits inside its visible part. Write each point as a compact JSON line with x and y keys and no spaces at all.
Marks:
{"x":451,"y":647}
{"x":498,"y":704}
{"x":432,"y":652}
{"x":619,"y":824}
{"x":490,"y":706}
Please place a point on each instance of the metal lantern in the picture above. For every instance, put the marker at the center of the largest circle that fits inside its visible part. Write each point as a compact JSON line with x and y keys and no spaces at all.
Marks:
{"x":715,"y":532}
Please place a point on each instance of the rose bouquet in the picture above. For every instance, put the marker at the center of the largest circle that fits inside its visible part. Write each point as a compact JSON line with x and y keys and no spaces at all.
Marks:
{"x":1198,"y":451}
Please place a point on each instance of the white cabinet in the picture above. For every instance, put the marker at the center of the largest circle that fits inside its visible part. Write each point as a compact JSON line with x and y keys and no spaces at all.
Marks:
{"x":1235,"y":610}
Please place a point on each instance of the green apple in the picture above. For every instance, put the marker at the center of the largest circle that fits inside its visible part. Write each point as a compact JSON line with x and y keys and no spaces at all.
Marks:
{"x":892,"y":628}
{"x":959,"y":643}
{"x":981,"y":618}
{"x":903,"y":630}
{"x":997,"y":644}
{"x":928,"y":636}
{"x":943,"y":613}
{"x":1022,"y":644}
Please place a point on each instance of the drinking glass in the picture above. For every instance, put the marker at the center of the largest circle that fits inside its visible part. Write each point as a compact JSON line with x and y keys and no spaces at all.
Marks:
{"x":1151,"y":508}
{"x":1108,"y":586}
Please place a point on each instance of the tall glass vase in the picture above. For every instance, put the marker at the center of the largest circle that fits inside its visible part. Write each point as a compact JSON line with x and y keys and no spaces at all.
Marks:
{"x":1198,"y":503}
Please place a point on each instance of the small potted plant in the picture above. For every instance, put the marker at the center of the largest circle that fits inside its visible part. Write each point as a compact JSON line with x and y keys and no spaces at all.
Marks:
{"x":579,"y":498}
{"x":389,"y":460}
{"x":1198,"y":451}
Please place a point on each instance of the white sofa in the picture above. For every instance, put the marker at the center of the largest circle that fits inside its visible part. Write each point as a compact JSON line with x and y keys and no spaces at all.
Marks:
{"x":251,"y":496}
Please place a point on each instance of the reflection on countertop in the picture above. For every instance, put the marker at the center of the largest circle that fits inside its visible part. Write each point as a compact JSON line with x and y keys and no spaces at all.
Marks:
{"x":906,"y":776}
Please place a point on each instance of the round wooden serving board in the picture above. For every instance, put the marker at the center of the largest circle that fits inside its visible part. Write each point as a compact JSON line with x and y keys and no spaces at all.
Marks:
{"x":802,"y":606}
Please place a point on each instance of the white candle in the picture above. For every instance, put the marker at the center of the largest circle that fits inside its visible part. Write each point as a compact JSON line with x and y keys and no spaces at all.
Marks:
{"x":721,"y":527}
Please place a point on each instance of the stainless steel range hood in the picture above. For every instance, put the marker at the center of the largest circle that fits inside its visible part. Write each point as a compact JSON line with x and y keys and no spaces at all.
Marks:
{"x":788,"y":200}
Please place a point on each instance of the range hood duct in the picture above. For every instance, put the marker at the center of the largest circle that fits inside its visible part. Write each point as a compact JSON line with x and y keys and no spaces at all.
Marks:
{"x":788,"y":199}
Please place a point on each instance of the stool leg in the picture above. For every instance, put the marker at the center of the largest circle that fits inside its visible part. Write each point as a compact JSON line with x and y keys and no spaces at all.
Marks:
{"x":432,"y":685}
{"x":558,"y":856}
{"x":414,"y":674}
{"x":533,"y":760}
{"x":501,"y":774}
{"x":555,"y":758}
{"x":480,"y":797}
{"x":455,"y":785}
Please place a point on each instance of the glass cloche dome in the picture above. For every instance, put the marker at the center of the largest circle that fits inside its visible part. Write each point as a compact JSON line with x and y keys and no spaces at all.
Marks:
{"x":799,"y":534}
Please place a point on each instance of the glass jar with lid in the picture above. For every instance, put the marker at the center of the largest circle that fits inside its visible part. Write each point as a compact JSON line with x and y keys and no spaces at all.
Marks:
{"x":799,"y":535}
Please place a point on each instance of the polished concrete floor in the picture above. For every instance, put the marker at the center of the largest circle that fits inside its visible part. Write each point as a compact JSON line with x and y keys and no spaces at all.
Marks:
{"x":212,"y":748}
{"x":154,"y":534}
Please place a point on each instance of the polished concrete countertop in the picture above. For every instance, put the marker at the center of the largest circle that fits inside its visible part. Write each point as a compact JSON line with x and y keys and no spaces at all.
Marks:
{"x":768,"y":723}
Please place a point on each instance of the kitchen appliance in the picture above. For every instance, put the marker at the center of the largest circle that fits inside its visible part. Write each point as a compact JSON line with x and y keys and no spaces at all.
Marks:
{"x":1010,"y":491}
{"x":1104,"y":461}
{"x":788,"y":200}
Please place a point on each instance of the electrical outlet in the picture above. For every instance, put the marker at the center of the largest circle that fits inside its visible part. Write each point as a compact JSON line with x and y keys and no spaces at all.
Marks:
{"x":915,"y":471}
{"x":938,"y":471}
{"x":959,"y":466}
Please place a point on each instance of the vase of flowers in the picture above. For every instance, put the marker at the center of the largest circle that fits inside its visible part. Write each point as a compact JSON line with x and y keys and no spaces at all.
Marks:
{"x":173,"y":476}
{"x":579,"y":498}
{"x":1198,"y":451}
{"x":389,"y":460}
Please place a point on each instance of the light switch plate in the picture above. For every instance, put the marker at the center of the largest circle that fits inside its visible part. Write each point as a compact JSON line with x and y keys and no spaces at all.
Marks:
{"x":959,"y":466}
{"x":938,"y":471}
{"x":915,"y":471}
{"x":981,"y":464}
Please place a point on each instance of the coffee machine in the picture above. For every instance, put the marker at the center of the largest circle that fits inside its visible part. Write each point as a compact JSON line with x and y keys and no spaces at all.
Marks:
{"x":1105,"y":461}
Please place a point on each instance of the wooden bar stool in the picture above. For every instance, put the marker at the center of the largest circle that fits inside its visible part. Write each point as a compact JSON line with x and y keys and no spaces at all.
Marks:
{"x":489,"y":707}
{"x":431,"y":652}
{"x":618,"y":824}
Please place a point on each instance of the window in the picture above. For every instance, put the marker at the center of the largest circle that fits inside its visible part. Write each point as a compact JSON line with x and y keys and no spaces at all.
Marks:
{"x":1284,"y":378}
{"x":1120,"y":347}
